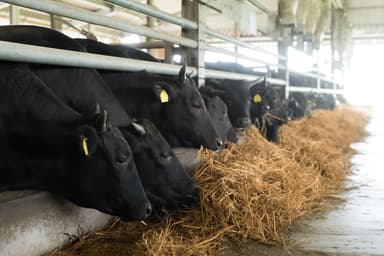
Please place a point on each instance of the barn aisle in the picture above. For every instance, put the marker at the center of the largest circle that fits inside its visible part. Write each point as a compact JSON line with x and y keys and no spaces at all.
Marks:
{"x":356,"y":226}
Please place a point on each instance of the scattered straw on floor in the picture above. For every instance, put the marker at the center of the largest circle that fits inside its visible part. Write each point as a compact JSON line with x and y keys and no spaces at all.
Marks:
{"x":252,"y":190}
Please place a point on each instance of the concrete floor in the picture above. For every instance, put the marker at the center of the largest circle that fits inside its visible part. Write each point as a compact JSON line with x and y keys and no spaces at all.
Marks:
{"x":356,"y":226}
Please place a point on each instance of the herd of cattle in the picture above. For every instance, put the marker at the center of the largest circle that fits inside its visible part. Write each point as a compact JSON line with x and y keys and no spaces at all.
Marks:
{"x":103,"y":139}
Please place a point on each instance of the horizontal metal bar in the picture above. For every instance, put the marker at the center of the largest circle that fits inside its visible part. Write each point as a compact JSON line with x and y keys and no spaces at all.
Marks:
{"x":276,"y":81}
{"x":37,"y":54}
{"x":240,"y":43}
{"x":69,"y":11}
{"x":318,"y":90}
{"x":210,"y":73}
{"x":151,"y":11}
{"x":10,"y":51}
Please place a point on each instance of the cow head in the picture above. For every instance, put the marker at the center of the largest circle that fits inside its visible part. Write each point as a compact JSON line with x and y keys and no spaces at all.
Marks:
{"x":165,"y":181}
{"x":105,"y":177}
{"x":260,"y":104}
{"x":184,"y":115}
{"x":219,"y":114}
{"x":236,"y":96}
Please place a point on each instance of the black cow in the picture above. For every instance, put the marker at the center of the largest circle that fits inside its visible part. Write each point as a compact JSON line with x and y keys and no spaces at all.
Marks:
{"x":80,"y":89}
{"x":46,"y":145}
{"x":268,"y":112}
{"x":174,"y":105}
{"x":219,"y":114}
{"x":172,"y":187}
{"x":325,"y":101}
{"x":341,"y":99}
{"x":235,"y":95}
{"x":301,"y":104}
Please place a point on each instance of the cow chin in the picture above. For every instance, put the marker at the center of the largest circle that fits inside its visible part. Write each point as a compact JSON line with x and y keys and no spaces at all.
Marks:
{"x":162,"y":206}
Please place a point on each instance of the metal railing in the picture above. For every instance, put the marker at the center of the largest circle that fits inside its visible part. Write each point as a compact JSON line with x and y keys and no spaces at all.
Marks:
{"x":19,"y":52}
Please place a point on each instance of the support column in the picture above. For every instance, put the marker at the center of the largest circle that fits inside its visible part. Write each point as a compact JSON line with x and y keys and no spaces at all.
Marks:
{"x":286,"y":38}
{"x":14,"y":14}
{"x":300,"y":36}
{"x":194,"y":11}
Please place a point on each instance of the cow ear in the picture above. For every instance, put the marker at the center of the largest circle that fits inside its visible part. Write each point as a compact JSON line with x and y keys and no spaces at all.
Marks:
{"x":163,"y":92}
{"x":87,"y":140}
{"x":182,"y":73}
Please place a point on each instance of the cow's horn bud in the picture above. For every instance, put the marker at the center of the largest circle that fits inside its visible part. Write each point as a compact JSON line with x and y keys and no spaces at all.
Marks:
{"x":97,"y":111}
{"x":104,"y":126}
{"x":140,"y":129}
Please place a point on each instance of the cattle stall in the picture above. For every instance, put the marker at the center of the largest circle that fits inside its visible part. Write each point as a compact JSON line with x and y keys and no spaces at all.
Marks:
{"x":40,"y":222}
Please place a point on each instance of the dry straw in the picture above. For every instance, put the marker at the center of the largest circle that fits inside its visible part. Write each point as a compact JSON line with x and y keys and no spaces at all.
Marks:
{"x":252,"y":190}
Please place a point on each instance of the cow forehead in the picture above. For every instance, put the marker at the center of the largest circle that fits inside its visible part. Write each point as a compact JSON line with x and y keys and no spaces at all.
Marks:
{"x":115,"y":137}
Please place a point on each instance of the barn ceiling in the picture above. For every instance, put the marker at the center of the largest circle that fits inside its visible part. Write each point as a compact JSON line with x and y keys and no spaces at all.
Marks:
{"x":366,"y":17}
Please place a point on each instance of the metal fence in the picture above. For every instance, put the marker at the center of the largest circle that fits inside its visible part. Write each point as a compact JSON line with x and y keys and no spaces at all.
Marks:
{"x":28,"y":53}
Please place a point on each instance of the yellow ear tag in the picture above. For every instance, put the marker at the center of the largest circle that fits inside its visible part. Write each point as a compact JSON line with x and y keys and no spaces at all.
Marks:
{"x":164,"y":98}
{"x":85,"y":146}
{"x":257,"y":98}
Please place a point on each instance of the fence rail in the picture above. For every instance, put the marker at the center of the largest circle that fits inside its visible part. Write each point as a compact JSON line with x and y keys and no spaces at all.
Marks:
{"x":20,"y":52}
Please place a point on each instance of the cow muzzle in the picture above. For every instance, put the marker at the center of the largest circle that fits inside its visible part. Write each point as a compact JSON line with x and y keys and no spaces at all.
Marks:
{"x":243,"y":122}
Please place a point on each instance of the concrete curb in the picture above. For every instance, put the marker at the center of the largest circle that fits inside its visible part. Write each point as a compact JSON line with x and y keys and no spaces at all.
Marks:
{"x":38,"y":223}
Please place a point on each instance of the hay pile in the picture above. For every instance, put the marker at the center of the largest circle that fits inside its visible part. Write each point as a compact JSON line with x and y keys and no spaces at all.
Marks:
{"x":253,"y":190}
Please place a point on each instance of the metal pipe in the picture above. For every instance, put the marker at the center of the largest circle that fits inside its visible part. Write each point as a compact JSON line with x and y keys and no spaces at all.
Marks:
{"x":276,"y":81}
{"x":148,"y":10}
{"x":36,"y":54}
{"x":209,"y":73}
{"x":66,"y":10}
{"x":10,"y":51}
{"x":240,"y":43}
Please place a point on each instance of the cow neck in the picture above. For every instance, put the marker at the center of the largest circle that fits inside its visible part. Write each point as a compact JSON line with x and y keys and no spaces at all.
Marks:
{"x":24,"y":170}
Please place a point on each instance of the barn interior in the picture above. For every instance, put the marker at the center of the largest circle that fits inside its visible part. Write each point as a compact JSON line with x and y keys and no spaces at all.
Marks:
{"x":334,"y":46}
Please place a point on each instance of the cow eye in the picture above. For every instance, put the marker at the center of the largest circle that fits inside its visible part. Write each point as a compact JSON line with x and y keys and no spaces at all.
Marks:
{"x":165,"y":154}
{"x":122,"y":160}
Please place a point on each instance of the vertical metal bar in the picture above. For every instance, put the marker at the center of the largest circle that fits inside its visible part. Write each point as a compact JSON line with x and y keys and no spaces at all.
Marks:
{"x":192,"y":10}
{"x":237,"y":35}
{"x":151,"y":24}
{"x":287,"y":82}
{"x":14,"y":14}
{"x":56,"y":24}
{"x":300,"y":37}
{"x":333,"y":38}
{"x":318,"y":81}
{"x":285,"y":40}
{"x":168,"y":53}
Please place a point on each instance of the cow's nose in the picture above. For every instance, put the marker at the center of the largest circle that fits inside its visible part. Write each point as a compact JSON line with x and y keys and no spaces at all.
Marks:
{"x":219,"y":142}
{"x":147,"y":209}
{"x":244,"y":122}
